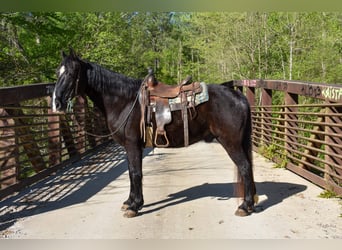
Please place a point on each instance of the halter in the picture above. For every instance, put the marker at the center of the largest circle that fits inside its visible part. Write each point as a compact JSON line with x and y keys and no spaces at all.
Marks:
{"x":70,"y":105}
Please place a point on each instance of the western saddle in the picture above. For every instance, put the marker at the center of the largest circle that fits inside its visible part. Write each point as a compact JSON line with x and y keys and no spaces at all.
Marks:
{"x":155,"y":98}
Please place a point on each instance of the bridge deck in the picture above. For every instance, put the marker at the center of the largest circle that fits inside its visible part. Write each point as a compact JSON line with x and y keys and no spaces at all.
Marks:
{"x":188,"y":194}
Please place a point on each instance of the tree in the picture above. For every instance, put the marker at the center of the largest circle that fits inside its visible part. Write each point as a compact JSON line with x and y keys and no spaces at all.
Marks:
{"x":212,"y":47}
{"x":29,"y":42}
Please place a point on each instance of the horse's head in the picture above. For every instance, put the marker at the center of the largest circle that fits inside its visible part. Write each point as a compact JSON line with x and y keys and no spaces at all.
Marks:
{"x":67,"y":85}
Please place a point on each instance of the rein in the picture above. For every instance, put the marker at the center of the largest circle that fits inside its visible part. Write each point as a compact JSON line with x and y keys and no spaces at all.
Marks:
{"x":70,"y":110}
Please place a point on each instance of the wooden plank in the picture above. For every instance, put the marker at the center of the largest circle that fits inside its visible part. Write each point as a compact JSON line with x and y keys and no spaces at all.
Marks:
{"x":329,"y":92}
{"x":12,"y":95}
{"x":314,"y":178}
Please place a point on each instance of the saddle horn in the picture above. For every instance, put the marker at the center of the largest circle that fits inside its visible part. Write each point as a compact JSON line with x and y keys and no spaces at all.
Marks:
{"x":150,"y":71}
{"x":186,"y":81}
{"x":151,"y":80}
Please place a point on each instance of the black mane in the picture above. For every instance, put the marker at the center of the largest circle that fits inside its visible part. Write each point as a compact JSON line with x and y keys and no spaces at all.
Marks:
{"x":108,"y":82}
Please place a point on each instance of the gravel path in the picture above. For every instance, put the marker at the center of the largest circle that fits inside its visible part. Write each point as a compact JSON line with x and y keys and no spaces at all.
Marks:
{"x":188,"y":194}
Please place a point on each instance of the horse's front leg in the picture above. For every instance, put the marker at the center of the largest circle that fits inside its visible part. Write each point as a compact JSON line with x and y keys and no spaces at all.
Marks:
{"x":135,"y":200}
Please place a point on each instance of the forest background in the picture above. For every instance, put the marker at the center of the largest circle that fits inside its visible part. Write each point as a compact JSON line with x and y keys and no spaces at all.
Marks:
{"x":211,"y":46}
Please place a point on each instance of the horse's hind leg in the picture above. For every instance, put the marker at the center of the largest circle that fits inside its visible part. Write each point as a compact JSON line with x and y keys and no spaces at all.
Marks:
{"x":245,"y":171}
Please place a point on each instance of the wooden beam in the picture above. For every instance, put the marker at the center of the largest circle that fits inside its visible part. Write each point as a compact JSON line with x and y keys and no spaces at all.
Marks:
{"x":12,"y":95}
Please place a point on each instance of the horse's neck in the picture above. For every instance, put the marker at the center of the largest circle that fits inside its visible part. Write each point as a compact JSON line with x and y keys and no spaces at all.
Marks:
{"x":104,"y":93}
{"x":96,"y":99}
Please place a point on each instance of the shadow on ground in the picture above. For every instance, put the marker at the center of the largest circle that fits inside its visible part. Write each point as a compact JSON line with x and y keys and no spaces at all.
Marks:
{"x":275,"y":192}
{"x":80,"y":181}
{"x":69,"y":186}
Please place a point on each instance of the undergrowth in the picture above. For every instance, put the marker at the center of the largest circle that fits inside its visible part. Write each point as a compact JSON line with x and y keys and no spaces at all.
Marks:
{"x":273,"y":153}
{"x":328,"y":194}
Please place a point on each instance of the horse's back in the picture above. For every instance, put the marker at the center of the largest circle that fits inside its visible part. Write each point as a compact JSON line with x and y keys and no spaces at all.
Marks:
{"x":227,"y":110}
{"x":225,"y":97}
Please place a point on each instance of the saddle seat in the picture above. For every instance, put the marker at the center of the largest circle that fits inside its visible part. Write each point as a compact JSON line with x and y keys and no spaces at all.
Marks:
{"x":163,"y":90}
{"x":155,"y":99}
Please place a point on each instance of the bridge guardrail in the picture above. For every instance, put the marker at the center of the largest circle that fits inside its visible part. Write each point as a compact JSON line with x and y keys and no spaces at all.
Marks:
{"x":34,"y":142}
{"x":303,"y":132}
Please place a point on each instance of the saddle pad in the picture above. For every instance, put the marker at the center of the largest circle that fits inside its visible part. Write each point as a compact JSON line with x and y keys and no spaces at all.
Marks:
{"x":199,"y":98}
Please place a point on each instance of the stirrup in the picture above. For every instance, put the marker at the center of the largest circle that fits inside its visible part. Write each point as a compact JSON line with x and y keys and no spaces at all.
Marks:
{"x":161,"y":145}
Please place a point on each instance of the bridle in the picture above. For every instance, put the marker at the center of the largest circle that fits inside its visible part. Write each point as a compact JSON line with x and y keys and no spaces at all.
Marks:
{"x":70,"y":104}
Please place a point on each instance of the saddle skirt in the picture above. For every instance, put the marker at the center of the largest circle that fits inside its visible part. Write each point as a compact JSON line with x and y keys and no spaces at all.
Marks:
{"x":161,"y":100}
{"x":200,"y":97}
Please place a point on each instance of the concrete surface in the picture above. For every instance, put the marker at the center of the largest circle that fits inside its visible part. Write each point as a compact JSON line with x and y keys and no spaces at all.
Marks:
{"x":188,"y":194}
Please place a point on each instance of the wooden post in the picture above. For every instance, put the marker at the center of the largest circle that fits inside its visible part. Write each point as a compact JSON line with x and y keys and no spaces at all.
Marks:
{"x":250,"y":94}
{"x":26,"y":138}
{"x":91,"y":126}
{"x":80,"y":116}
{"x":98,"y":126}
{"x":67,"y":137}
{"x":8,"y":152}
{"x":54,"y":141}
{"x":266,"y":117}
{"x":291,"y":124}
{"x":329,"y":149}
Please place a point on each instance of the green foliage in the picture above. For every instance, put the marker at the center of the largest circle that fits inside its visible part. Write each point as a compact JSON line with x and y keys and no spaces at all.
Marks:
{"x":328,"y":194}
{"x":212,"y":47}
{"x":29,"y":43}
{"x":273,"y":153}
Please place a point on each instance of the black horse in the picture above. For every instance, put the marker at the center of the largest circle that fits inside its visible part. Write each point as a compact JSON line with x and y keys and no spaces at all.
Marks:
{"x":225,"y":116}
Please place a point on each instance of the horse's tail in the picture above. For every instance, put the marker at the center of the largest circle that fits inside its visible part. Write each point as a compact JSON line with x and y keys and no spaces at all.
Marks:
{"x":247,"y":133}
{"x":248,"y":146}
{"x":247,"y":149}
{"x":247,"y":137}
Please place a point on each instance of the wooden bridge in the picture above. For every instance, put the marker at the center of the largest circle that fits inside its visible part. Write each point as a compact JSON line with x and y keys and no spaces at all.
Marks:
{"x":302,"y":134}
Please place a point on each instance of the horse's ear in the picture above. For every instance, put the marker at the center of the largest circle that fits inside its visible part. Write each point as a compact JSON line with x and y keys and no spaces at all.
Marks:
{"x":72,"y":53}
{"x":63,"y":54}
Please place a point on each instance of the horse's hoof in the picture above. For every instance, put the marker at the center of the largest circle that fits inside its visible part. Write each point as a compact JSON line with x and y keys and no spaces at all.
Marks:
{"x":124,"y":207}
{"x":240,"y":212}
{"x":130,"y":213}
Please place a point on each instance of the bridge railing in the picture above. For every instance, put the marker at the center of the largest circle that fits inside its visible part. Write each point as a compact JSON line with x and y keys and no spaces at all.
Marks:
{"x":298,"y":125}
{"x":35,"y":142}
{"x":301,"y":133}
